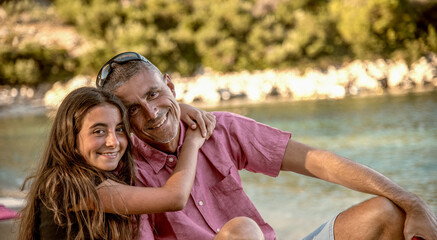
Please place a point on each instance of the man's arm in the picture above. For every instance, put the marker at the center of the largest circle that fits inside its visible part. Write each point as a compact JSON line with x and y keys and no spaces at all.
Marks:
{"x":309,"y":161}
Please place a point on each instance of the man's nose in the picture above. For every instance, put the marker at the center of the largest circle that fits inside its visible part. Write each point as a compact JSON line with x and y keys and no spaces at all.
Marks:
{"x":150,"y":110}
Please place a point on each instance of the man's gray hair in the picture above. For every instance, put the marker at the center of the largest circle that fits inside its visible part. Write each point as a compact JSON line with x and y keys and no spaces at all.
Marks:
{"x":122,"y":73}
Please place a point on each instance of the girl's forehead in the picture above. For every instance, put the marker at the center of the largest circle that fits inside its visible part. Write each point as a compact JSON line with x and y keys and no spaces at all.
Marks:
{"x":104,"y":112}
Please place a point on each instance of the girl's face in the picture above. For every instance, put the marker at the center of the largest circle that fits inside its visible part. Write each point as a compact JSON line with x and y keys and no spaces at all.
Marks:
{"x":102,"y":140}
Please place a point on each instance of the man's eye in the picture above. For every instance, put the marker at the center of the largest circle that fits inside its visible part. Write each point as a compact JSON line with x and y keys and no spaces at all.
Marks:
{"x":153,"y":95}
{"x":133,"y":110}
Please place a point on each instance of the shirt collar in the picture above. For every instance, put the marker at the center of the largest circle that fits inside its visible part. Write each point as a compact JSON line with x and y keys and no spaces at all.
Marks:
{"x":153,"y":156}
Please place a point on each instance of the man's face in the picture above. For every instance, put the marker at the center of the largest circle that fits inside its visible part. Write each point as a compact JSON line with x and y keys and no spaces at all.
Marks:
{"x":153,"y":110}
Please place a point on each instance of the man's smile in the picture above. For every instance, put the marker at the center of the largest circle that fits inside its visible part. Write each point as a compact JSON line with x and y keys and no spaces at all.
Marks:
{"x":160,"y":123}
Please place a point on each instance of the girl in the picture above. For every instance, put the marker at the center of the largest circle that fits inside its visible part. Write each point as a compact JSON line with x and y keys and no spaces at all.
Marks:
{"x":79,"y":188}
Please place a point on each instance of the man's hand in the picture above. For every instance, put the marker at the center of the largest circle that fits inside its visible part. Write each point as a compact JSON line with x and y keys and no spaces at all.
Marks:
{"x":194,"y":117}
{"x":420,"y":222}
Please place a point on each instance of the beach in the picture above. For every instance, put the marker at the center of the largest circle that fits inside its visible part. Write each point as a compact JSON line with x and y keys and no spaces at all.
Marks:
{"x":395,"y":135}
{"x":9,"y":227}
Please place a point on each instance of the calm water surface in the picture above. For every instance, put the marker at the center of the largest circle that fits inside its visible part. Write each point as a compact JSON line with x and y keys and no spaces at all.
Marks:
{"x":395,"y":135}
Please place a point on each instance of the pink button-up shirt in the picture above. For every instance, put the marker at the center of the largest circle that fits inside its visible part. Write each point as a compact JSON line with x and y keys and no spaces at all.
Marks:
{"x":217,"y":194}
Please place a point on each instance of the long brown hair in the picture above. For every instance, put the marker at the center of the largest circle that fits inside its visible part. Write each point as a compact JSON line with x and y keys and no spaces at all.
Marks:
{"x":64,"y":182}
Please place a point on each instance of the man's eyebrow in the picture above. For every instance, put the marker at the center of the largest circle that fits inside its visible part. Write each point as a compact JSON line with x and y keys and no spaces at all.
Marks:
{"x":146,"y":94}
{"x":152,"y":89}
{"x":129,"y":104}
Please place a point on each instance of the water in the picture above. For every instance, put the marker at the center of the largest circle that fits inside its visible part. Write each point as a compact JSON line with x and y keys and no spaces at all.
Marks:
{"x":395,"y":135}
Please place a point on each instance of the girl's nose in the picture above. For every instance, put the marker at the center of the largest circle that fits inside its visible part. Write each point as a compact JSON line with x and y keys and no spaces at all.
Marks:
{"x":112,"y":140}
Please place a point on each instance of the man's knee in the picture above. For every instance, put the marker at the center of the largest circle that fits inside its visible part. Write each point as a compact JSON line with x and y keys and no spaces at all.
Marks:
{"x":386,"y":212}
{"x":376,"y":218}
{"x":240,"y":228}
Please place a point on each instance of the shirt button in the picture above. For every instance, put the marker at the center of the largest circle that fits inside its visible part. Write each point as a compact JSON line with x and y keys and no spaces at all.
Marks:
{"x":171,"y":160}
{"x":218,"y":229}
{"x":200,"y":203}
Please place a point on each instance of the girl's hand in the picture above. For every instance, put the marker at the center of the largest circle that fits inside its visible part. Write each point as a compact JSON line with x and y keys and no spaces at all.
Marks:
{"x":193,"y":138}
{"x":194,"y":117}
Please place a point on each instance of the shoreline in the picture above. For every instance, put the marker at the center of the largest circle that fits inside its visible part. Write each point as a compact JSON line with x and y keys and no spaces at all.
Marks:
{"x":236,"y":102}
{"x":13,"y":203}
{"x":37,"y":106}
{"x":358,"y":78}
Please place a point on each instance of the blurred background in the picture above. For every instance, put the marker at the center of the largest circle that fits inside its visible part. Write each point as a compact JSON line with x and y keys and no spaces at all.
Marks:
{"x":47,"y":41}
{"x":355,"y":77}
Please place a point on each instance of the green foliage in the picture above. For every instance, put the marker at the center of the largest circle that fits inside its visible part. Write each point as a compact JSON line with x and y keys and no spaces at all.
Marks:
{"x":32,"y":64}
{"x":233,"y":35}
{"x":431,"y":38}
{"x":91,"y":18}
{"x":374,"y":27}
{"x":18,"y":7}
{"x":225,"y":35}
{"x":223,"y":27}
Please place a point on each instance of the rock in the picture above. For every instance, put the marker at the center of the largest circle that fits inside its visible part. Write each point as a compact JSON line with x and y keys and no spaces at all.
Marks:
{"x":56,"y":94}
{"x":355,"y":78}
{"x":397,"y":73}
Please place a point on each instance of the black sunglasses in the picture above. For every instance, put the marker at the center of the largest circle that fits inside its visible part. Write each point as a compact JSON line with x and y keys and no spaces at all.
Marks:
{"x":120,"y":59}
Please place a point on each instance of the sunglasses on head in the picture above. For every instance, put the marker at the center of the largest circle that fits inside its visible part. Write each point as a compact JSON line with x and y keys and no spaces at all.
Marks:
{"x":120,"y":59}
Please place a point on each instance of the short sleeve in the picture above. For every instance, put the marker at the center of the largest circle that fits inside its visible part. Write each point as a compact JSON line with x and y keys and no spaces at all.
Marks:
{"x":255,"y":147}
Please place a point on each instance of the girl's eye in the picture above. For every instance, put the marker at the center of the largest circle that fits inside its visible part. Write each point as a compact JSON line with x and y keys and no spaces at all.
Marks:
{"x":119,"y":129}
{"x":98,"y":132}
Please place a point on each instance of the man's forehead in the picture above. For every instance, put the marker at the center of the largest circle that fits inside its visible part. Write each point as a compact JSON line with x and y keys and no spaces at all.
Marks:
{"x":138,"y":86}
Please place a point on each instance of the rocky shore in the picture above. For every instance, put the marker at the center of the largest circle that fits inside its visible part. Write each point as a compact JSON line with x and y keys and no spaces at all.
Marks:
{"x":357,"y":78}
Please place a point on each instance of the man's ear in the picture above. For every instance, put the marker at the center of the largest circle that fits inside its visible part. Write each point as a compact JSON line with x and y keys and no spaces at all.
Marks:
{"x":169,"y":83}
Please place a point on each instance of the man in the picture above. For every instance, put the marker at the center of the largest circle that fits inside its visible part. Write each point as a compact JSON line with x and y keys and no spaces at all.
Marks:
{"x":237,"y":143}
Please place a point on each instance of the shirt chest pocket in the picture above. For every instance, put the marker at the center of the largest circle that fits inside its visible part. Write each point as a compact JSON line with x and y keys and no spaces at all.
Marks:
{"x":230,"y":199}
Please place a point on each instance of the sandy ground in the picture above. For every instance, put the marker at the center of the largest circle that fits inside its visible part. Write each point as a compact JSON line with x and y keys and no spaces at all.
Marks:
{"x":9,"y":229}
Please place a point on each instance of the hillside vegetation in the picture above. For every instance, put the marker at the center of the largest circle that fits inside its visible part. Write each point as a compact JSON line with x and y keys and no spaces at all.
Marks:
{"x":48,"y":41}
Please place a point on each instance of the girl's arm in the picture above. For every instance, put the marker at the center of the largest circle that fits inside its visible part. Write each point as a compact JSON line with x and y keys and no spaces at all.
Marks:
{"x":173,"y":196}
{"x":194,"y":117}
